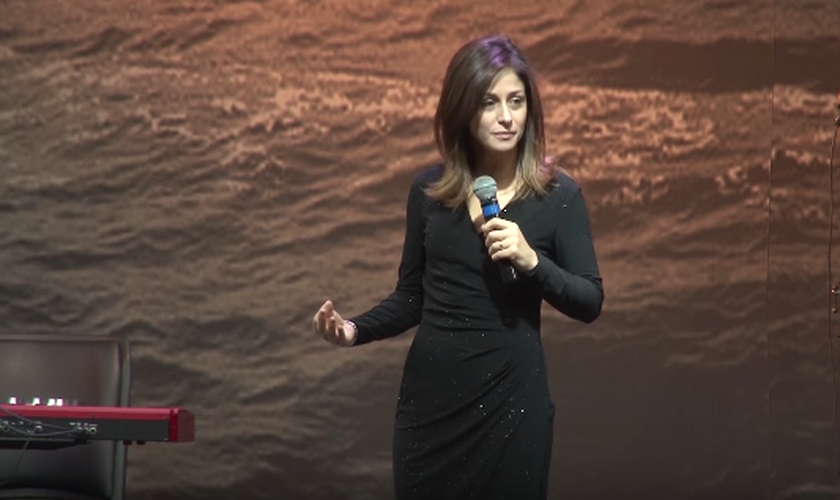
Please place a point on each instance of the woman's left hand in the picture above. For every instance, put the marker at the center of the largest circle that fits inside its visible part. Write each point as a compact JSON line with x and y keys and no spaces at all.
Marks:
{"x":504,"y":240}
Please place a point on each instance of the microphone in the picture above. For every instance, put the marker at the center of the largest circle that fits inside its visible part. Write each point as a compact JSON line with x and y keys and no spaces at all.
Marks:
{"x":484,"y":189}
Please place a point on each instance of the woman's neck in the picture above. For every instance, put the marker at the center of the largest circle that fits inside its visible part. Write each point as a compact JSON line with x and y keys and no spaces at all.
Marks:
{"x":501,"y":167}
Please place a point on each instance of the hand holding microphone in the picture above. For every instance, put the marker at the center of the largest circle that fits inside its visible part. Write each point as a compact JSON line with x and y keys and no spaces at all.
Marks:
{"x":503,"y":238}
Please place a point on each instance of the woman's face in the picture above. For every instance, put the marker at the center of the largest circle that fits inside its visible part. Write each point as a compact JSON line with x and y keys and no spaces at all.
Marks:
{"x":500,"y":122}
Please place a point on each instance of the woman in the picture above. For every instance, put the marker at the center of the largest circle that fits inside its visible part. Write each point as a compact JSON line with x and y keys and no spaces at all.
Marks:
{"x":474,"y":416}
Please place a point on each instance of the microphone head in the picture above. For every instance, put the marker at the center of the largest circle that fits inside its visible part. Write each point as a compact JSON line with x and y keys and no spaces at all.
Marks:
{"x":484,"y":188}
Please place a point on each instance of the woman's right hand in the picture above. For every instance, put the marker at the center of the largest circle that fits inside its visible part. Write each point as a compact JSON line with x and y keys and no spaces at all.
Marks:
{"x":331,"y":326}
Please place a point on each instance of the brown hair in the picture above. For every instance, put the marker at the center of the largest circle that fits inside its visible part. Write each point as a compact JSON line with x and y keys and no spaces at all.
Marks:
{"x":468,"y":77}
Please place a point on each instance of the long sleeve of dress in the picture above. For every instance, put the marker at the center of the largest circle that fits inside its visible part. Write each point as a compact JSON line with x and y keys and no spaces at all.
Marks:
{"x":570,"y":281}
{"x":401,"y":310}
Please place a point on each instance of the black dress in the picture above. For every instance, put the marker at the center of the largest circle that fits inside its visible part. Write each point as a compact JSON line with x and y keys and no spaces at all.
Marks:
{"x":474,"y":416}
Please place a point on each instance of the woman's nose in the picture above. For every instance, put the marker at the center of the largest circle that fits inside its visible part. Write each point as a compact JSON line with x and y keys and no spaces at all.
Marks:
{"x":504,"y":115}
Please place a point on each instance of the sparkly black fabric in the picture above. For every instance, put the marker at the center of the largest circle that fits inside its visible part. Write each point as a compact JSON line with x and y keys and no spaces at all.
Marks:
{"x":474,"y":417}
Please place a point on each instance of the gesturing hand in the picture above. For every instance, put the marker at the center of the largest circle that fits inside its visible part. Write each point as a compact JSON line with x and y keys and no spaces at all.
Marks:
{"x":331,"y":326}
{"x":504,"y":240}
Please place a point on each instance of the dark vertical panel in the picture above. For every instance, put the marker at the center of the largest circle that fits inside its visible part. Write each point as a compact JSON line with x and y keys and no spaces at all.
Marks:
{"x":802,"y":390}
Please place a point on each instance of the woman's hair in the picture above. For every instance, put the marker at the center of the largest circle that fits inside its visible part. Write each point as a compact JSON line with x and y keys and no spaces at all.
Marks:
{"x":468,"y":78}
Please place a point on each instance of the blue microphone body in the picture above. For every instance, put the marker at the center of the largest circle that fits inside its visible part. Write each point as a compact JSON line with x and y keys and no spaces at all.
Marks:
{"x":490,"y":209}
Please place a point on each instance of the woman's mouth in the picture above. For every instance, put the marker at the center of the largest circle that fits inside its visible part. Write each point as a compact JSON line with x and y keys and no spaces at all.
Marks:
{"x":504,"y":136}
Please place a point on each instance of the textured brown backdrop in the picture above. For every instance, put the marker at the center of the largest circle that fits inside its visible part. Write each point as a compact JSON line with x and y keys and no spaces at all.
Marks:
{"x":199,"y":175}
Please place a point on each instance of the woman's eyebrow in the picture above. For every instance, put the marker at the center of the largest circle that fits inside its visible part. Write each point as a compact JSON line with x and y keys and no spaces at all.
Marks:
{"x":510,"y":94}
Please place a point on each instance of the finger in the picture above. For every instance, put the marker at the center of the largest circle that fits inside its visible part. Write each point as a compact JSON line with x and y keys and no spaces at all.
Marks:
{"x":324,"y":314}
{"x":496,"y":240}
{"x":495,"y":224}
{"x":503,"y":249}
{"x":342,"y":331}
{"x":499,"y":234}
{"x":338,"y":324}
{"x":331,"y":329}
{"x":490,"y":243}
{"x":320,"y":321}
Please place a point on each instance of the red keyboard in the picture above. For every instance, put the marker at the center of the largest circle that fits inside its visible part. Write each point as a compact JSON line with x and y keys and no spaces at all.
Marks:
{"x":20,"y":424}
